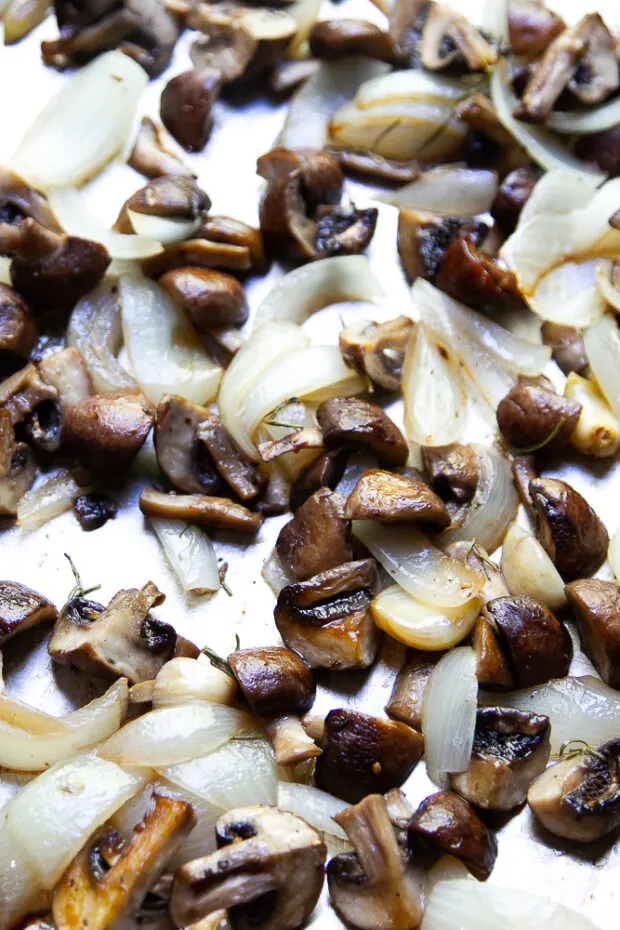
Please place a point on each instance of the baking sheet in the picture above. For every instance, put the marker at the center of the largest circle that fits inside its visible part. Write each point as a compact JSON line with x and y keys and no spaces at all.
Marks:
{"x":124,"y":553}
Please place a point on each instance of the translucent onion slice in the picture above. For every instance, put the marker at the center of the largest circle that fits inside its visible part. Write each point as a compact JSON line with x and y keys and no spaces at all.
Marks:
{"x":449,"y":713}
{"x":73,"y":139}
{"x":174,"y":734}
{"x":275,"y":573}
{"x":474,"y":906}
{"x":95,"y":329}
{"x":48,"y":499}
{"x":613,"y":554}
{"x":314,"y":806}
{"x":76,"y":220}
{"x":413,"y":84}
{"x":183,"y":679}
{"x":190,"y":553}
{"x":570,"y":295}
{"x":166,"y":355}
{"x":609,"y":292}
{"x":558,"y":192}
{"x":419,"y":625}
{"x":53,"y":816}
{"x":163,"y":229}
{"x":448,"y":190}
{"x":22,"y":892}
{"x":357,"y":464}
{"x":409,"y":557}
{"x":602,"y":344}
{"x":308,"y":289}
{"x":541,"y":145}
{"x":433,"y":393}
{"x":305,"y":13}
{"x":5,"y":269}
{"x":584,"y":122}
{"x":529,"y":571}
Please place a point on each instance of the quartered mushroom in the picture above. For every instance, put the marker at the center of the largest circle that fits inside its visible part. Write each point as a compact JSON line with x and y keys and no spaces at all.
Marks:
{"x":229,"y":231}
{"x":279,"y":687}
{"x":532,"y":415}
{"x":109,"y":878}
{"x":514,"y":192}
{"x":364,"y":754}
{"x":152,"y":155}
{"x":467,"y":274}
{"x":175,"y":198}
{"x":327,"y":618}
{"x":376,"y":887}
{"x":363,"y":426}
{"x":567,"y":347}
{"x":268,"y":869}
{"x":210,"y":297}
{"x":18,"y":331}
{"x":524,"y":471}
{"x":334,"y":38}
{"x":324,"y":472}
{"x":122,"y":639}
{"x":94,"y":510}
{"x":317,"y":538}
{"x":22,"y":608}
{"x":453,"y":471}
{"x":596,"y":608}
{"x":493,"y":670}
{"x":571,"y":533}
{"x":19,"y":201}
{"x":532,"y":26}
{"x":108,"y":430}
{"x":69,"y":381}
{"x":578,"y":798}
{"x":198,"y":253}
{"x":23,"y":392}
{"x":448,"y":38}
{"x":17,"y":467}
{"x":376,"y":167}
{"x":449,"y":826}
{"x":390,"y":498}
{"x":423,"y":238}
{"x":510,"y":749}
{"x":408,"y":692}
{"x":186,"y":106}
{"x":343,"y":230}
{"x":377,"y":350}
{"x":201,"y":509}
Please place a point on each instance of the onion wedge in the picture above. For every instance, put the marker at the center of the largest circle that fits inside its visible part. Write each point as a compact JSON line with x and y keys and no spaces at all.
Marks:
{"x":433,"y":393}
{"x":528,"y":570}
{"x":163,"y":229}
{"x":594,"y":119}
{"x":449,"y":713}
{"x":420,"y":625}
{"x":411,"y":84}
{"x":607,"y":289}
{"x":602,"y":344}
{"x":48,"y":499}
{"x":448,"y":190}
{"x":316,"y":807}
{"x":190,"y":553}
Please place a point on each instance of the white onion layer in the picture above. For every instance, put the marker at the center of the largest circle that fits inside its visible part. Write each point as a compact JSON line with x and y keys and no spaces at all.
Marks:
{"x":411,"y":84}
{"x":183,"y":679}
{"x":613,"y":554}
{"x":433,"y":393}
{"x":190,"y":553}
{"x":48,"y":499}
{"x":449,"y":712}
{"x":419,"y":625}
{"x":318,"y":808}
{"x":602,"y":345}
{"x":528,"y":570}
{"x":448,"y":190}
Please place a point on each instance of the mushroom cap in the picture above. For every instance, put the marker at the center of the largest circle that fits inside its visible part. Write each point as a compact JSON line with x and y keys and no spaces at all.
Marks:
{"x":22,"y":608}
{"x":470,"y":276}
{"x":377,"y":350}
{"x":179,"y":453}
{"x":567,"y":346}
{"x":108,"y":430}
{"x":514,"y":192}
{"x":174,"y":196}
{"x":93,"y":510}
{"x":210,"y":297}
{"x":531,"y":415}
{"x":532,"y":26}
{"x":423,"y":238}
{"x":227,"y":230}
{"x":493,"y":671}
{"x":448,"y":38}
{"x":343,"y":230}
{"x":151,"y":155}
{"x":453,"y":470}
{"x":186,"y":105}
{"x":408,"y":692}
{"x":18,"y":331}
{"x":333,"y":38}
{"x":18,"y":201}
{"x":364,"y":426}
{"x":596,"y":608}
{"x":274,"y":680}
{"x":17,"y":466}
{"x":324,"y":472}
{"x":318,"y":536}
{"x":382,"y":495}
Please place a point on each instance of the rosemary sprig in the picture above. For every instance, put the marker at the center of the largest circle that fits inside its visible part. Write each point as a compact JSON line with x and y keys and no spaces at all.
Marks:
{"x":217,"y":661}
{"x":483,"y":559}
{"x":273,"y":415}
{"x":573,"y":748}
{"x":545,"y":442}
{"x":78,"y":590}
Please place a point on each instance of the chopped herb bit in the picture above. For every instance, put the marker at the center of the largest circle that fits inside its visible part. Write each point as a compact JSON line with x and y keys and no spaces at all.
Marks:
{"x":217,"y":661}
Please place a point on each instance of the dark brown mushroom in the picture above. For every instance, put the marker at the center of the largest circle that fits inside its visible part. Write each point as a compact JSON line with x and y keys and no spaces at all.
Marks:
{"x":364,"y":754}
{"x":601,"y":149}
{"x":210,"y":297}
{"x":94,"y":510}
{"x":514,"y":192}
{"x":382,"y":495}
{"x":360,"y":425}
{"x":343,"y":230}
{"x":536,"y":643}
{"x":108,"y":430}
{"x":524,"y":471}
{"x":567,"y":347}
{"x":22,"y":608}
{"x":492,"y":670}
{"x":18,"y":331}
{"x":596,"y":607}
{"x":168,"y":196}
{"x":572,"y":535}
{"x":377,"y":885}
{"x":408,"y":692}
{"x":424,"y":237}
{"x":318,"y":536}
{"x":151,"y":154}
{"x":532,"y":26}
{"x":510,"y":749}
{"x":325,"y":472}
{"x":451,"y":827}
{"x":476,"y":279}
{"x":327,"y":618}
{"x":232,"y":466}
{"x":334,"y":38}
{"x":198,"y":253}
{"x":187,"y":104}
{"x":122,"y":639}
{"x":17,"y":467}
{"x":377,"y":350}
{"x":478,"y":113}
{"x":448,"y":38}
{"x":532,"y":416}
{"x":453,"y":471}
{"x":578,"y":798}
{"x":23,"y":392}
{"x":407,"y":18}
{"x":228,"y":231}
{"x":320,"y":173}
{"x":218,"y":512}
{"x":376,"y":167}
{"x":19,"y":202}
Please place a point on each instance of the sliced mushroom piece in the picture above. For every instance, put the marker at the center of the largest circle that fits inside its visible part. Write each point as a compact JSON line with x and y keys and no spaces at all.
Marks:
{"x":18,"y":331}
{"x":448,"y":38}
{"x":531,"y":416}
{"x":382,"y":495}
{"x":22,"y":608}
{"x":364,"y":754}
{"x":358,"y":424}
{"x":180,"y":454}
{"x":578,"y":798}
{"x":537,"y":644}
{"x":377,"y":350}
{"x":408,"y":692}
{"x":226,"y":230}
{"x":570,"y":532}
{"x":492,"y":670}
{"x":109,"y":878}
{"x":467,"y":274}
{"x":376,"y":887}
{"x":376,"y":167}
{"x":308,"y":437}
{"x":239,"y":474}
{"x":601,"y":149}
{"x":23,"y":392}
{"x":567,"y":346}
{"x":17,"y":467}
{"x":172,"y":197}
{"x":325,"y":472}
{"x":198,"y":253}
{"x":344,"y":230}
{"x":19,"y":202}
{"x":201,"y":509}
{"x":122,"y":639}
{"x":327,"y":618}
{"x":108,"y":430}
{"x":453,"y":471}
{"x":510,"y":750}
{"x":478,"y":113}
{"x":187,"y":104}
{"x":94,"y":510}
{"x":268,"y":870}
{"x":334,"y":38}
{"x":318,"y":536}
{"x":596,"y":607}
{"x":524,"y":471}
{"x":151,"y":155}
{"x":532,"y":26}
{"x":598,"y":74}
{"x":320,"y":173}
{"x":407,"y":18}
{"x":210,"y":297}
{"x":451,"y":827}
{"x":225,"y":45}
{"x":68,"y":378}
{"x":514,"y":192}
{"x":424,"y":237}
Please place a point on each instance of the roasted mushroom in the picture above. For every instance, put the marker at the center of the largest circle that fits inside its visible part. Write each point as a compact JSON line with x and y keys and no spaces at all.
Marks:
{"x":377,"y":350}
{"x":68,"y":378}
{"x":327,"y":618}
{"x":596,"y":607}
{"x":493,"y":670}
{"x":22,"y":608}
{"x":343,"y":230}
{"x":579,"y":797}
{"x":19,"y":202}
{"x":535,"y":642}
{"x":268,"y":870}
{"x":219,"y":512}
{"x":424,"y":237}
{"x":532,"y":416}
{"x":23,"y":392}
{"x":567,"y":347}
{"x":448,"y":38}
{"x":450,"y":826}
{"x":187,"y":104}
{"x":407,"y":18}
{"x":510,"y":749}
{"x":376,"y":887}
{"x":178,"y":198}
{"x":109,"y":878}
{"x":408,"y":692}
{"x":318,"y":536}
{"x":382,"y":495}
{"x":108,"y":430}
{"x":325,"y":472}
{"x":514,"y":192}
{"x":210,"y":297}
{"x":524,"y":471}
{"x":476,"y":279}
{"x":601,"y":149}
{"x":94,"y":510}
{"x":360,"y":425}
{"x":151,"y":155}
{"x":333,"y":38}
{"x":17,"y":467}
{"x":121,"y":639}
{"x":364,"y":754}
{"x":18,"y":331}
{"x":568,"y":529}
{"x":376,"y":167}
{"x":198,"y":253}
{"x":532,"y":26}
{"x":453,"y":471}
{"x":226,"y":230}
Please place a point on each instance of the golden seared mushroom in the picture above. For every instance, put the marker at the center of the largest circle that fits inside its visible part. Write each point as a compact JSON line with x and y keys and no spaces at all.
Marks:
{"x":376,"y":167}
{"x":151,"y":154}
{"x":510,"y":750}
{"x":317,"y":538}
{"x":178,"y":198}
{"x":476,"y":279}
{"x":198,"y":253}
{"x":453,"y":471}
{"x":18,"y":331}
{"x":363,"y":754}
{"x":108,"y":430}
{"x":226,"y":230}
{"x":532,"y":26}
{"x":376,"y":887}
{"x":570,"y":532}
{"x":327,"y":618}
{"x":533,"y":416}
{"x":567,"y":347}
{"x":423,"y":238}
{"x":382,"y":495}
{"x":449,"y":826}
{"x":268,"y":868}
{"x":343,"y":230}
{"x":219,"y":512}
{"x":22,"y":608}
{"x":448,"y":38}
{"x":408,"y":692}
{"x":94,"y":510}
{"x":596,"y":607}
{"x":365,"y":427}
{"x":110,"y":878}
{"x":377,"y":350}
{"x":578,"y":798}
{"x":537,"y":645}
{"x":514,"y":192}
{"x":325,"y":472}
{"x":187,"y":104}
{"x":122,"y":639}
{"x":210,"y":297}
{"x":17,"y":467}
{"x":320,"y":173}
{"x":493,"y":669}
{"x":334,"y":38}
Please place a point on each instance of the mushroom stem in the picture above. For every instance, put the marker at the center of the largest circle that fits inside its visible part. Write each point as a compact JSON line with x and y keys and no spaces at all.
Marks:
{"x":201,"y":509}
{"x":307,"y":438}
{"x":291,"y":744}
{"x":370,"y":830}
